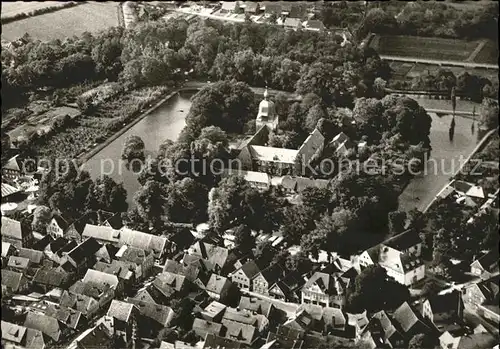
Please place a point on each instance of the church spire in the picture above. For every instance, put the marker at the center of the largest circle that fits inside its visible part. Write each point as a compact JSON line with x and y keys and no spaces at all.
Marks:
{"x":265,"y":94}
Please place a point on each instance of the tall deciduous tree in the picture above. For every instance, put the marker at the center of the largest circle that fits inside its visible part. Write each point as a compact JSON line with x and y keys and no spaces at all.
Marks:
{"x":41,"y":218}
{"x":133,"y":148}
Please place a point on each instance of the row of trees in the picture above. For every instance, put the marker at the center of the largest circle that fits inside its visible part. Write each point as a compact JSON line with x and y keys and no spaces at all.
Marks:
{"x":69,"y":190}
{"x":158,"y":52}
{"x":434,"y":19}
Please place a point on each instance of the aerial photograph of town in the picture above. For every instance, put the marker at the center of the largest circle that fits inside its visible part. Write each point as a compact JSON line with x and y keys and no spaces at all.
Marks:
{"x":243,"y":174}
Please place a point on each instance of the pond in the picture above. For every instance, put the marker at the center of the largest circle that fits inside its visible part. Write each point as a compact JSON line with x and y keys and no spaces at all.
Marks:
{"x":444,"y":159}
{"x":164,"y":123}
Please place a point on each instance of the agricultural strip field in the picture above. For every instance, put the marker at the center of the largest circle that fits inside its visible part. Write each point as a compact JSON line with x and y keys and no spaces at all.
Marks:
{"x":10,"y":9}
{"x":421,"y":47}
{"x":90,"y":17}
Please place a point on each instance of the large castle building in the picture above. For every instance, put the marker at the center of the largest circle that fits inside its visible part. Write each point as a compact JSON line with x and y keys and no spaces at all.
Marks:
{"x":256,"y":155}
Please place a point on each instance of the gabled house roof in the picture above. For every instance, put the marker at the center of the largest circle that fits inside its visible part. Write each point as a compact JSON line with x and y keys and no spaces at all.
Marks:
{"x":239,"y":332}
{"x":7,"y":249}
{"x":272,"y":274}
{"x":204,"y":327}
{"x":12,"y":229}
{"x":101,"y":278}
{"x":121,"y":269}
{"x":213,"y":341}
{"x":260,"y":306}
{"x":65,"y":315}
{"x":34,"y":256}
{"x":250,"y":269}
{"x":490,"y":288}
{"x":18,"y":262}
{"x":84,"y":250}
{"x":120,"y":310}
{"x":488,"y":261}
{"x":50,"y":277}
{"x":160,"y":313}
{"x":11,"y":279}
{"x":125,"y":236}
{"x":302,"y":321}
{"x":80,"y":302}
{"x":403,"y":241}
{"x":46,"y":324}
{"x":383,"y":330}
{"x":61,"y":222}
{"x":217,"y":284}
{"x":475,"y":340}
{"x":325,"y":283}
{"x":407,"y":317}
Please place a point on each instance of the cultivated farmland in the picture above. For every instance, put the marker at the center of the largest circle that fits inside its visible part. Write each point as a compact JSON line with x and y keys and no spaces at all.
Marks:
{"x":488,"y":54}
{"x":91,"y":17}
{"x":13,"y":8}
{"x":420,"y":47}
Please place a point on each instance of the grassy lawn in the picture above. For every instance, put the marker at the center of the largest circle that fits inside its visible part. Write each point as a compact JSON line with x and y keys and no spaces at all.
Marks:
{"x":421,"y":47}
{"x":91,"y":17}
{"x":488,"y":54}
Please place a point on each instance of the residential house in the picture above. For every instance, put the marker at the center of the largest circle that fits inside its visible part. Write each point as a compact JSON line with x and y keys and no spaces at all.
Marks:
{"x":55,"y":250}
{"x":34,"y":256}
{"x":288,"y":288}
{"x":409,"y":321}
{"x":71,"y":318}
{"x":103,"y":279}
{"x":125,"y":236}
{"x":218,"y":287}
{"x":57,"y":226}
{"x":486,"y":265}
{"x":181,"y":239}
{"x":381,"y":331}
{"x":302,"y":321}
{"x":239,"y":332}
{"x":258,"y":180}
{"x":204,"y":327}
{"x":19,"y":264}
{"x":329,"y":321}
{"x":263,"y":307}
{"x":263,"y":281}
{"x":106,"y":253}
{"x":297,"y":184}
{"x":444,"y":311}
{"x":314,"y":25}
{"x":399,"y":256}
{"x":341,"y":144}
{"x":7,"y":250}
{"x":98,"y":337}
{"x":327,"y":288}
{"x":284,"y":337}
{"x":49,"y":326}
{"x":87,"y":305}
{"x":123,"y":270}
{"x":16,"y":233}
{"x":16,"y":167}
{"x":230,"y":7}
{"x":359,"y":322}
{"x":152,"y":317}
{"x":125,"y":316}
{"x":214,"y":341}
{"x":48,"y":279}
{"x":143,"y":261}
{"x":20,"y":336}
{"x":259,"y":321}
{"x":11,"y":194}
{"x":475,"y":340}
{"x":292,"y":23}
{"x":483,"y":297}
{"x":251,"y":7}
{"x":198,"y":275}
{"x":214,"y":311}
{"x":13,"y":282}
{"x":220,"y":259}
{"x":244,"y":275}
{"x":82,"y":256}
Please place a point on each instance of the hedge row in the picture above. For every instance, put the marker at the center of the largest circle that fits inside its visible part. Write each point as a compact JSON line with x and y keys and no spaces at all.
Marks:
{"x":40,"y":11}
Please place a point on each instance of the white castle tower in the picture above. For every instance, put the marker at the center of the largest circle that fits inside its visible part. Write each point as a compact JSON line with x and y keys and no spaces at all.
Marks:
{"x":267,"y":114}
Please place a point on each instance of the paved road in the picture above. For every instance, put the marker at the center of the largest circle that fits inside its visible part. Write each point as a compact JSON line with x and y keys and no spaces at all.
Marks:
{"x":438,"y":62}
{"x":289,"y":308}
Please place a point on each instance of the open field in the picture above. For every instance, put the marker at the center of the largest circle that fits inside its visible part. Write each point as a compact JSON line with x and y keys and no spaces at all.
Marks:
{"x":488,"y":54}
{"x":91,"y":17}
{"x":13,"y":8}
{"x":421,"y":47}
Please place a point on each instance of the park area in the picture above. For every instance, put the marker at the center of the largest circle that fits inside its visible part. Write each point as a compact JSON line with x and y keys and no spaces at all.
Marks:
{"x":427,"y":48}
{"x":89,"y":17}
